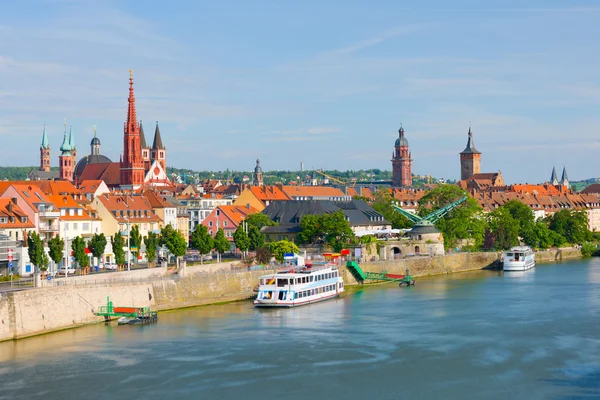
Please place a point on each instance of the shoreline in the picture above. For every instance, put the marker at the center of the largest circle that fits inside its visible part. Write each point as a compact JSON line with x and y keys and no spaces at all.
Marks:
{"x":41,"y":311}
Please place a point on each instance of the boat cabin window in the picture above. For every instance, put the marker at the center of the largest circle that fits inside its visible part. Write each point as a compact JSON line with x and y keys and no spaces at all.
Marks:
{"x":282,"y":282}
{"x":509,"y":254}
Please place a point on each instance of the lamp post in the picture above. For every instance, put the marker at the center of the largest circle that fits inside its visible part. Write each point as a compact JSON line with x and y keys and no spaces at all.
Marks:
{"x":128,"y":243}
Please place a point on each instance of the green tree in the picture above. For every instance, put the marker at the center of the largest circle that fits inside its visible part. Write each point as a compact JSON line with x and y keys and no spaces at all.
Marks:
{"x":263,"y":255}
{"x":35,"y":249}
{"x":255,"y":222}
{"x":338,"y":232}
{"x":174,"y":241}
{"x":464,"y":222}
{"x":78,"y":245}
{"x":97,"y":245}
{"x":151,"y":243}
{"x":382,"y":203}
{"x":117,"y":247}
{"x":257,"y":239}
{"x":572,"y":225}
{"x":312,"y":229}
{"x":241,"y":239}
{"x":135,"y":241}
{"x":57,"y":247}
{"x":201,"y":240}
{"x":221,"y":243}
{"x":504,"y":228}
{"x":259,"y":220}
{"x":278,"y":249}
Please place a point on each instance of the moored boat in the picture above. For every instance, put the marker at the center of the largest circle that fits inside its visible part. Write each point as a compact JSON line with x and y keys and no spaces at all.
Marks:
{"x":520,"y":258}
{"x":299,"y":286}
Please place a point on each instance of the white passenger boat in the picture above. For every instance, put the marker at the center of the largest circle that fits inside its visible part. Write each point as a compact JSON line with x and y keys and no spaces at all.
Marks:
{"x":520,"y":258}
{"x":299,"y":286}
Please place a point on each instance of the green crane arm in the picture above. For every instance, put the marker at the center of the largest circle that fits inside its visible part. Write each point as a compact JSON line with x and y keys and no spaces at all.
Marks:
{"x":414,"y":218}
{"x":436,"y":215}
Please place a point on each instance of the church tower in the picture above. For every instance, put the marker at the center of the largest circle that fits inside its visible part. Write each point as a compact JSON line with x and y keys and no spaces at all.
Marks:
{"x":401,"y":162}
{"x":470,"y":159}
{"x":257,"y":179}
{"x":95,"y":144}
{"x":553,"y":177}
{"x":132,"y":167}
{"x":564,"y":180}
{"x":45,"y":153}
{"x":159,"y":153}
{"x":72,"y":145}
{"x":65,"y":160}
{"x":145,"y":149}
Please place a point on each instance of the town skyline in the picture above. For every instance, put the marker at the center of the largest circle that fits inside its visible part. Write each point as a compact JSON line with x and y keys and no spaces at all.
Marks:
{"x":333,"y":100}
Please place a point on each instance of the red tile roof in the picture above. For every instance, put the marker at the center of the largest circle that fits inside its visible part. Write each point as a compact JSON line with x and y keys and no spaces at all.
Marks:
{"x":312,"y":191}
{"x":136,"y":208}
{"x":90,"y":185}
{"x":13,"y":213}
{"x":110,"y":173}
{"x":268,"y":193}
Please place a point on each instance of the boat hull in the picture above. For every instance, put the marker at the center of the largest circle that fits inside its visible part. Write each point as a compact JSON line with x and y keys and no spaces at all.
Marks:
{"x":518,"y":266}
{"x":292,"y":303}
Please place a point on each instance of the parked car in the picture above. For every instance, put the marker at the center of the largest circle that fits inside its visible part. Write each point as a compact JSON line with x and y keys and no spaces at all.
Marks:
{"x":62,"y":270}
{"x":110,"y":266}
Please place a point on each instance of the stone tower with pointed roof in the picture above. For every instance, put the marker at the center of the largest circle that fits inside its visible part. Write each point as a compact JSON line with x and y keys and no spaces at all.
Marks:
{"x":257,"y":179}
{"x":470,"y":159}
{"x":146,"y":151}
{"x":554,"y":177}
{"x":401,"y":162}
{"x":45,"y":152}
{"x":66,"y":164}
{"x":159,"y":152}
{"x":564,"y":180}
{"x":72,"y":145}
{"x":132,"y":166}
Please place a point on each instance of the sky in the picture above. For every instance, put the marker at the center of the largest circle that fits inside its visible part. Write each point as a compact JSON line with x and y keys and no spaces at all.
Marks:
{"x":327,"y":83}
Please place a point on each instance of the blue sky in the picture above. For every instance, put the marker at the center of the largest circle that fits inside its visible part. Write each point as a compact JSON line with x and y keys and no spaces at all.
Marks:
{"x":324,"y":82}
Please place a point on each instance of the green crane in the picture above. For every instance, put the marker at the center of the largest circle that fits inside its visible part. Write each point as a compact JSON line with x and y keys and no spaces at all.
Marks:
{"x":430,"y":219}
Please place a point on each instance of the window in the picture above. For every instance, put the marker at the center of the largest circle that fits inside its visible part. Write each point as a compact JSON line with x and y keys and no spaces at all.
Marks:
{"x":85,"y":226}
{"x":75,"y":226}
{"x":218,"y":212}
{"x":209,"y":223}
{"x":79,"y":212}
{"x":71,"y":212}
{"x":66,"y":225}
{"x":3,"y":220}
{"x":224,"y":223}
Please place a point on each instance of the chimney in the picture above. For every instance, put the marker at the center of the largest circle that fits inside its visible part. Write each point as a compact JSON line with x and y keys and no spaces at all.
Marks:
{"x":14,"y":200}
{"x":279,"y":185}
{"x":248,"y":206}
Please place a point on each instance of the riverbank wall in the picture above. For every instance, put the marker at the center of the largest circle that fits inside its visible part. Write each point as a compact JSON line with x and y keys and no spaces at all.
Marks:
{"x":71,"y":302}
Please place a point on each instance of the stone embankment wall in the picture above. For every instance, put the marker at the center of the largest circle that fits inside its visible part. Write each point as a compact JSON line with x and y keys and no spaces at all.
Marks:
{"x":71,"y":304}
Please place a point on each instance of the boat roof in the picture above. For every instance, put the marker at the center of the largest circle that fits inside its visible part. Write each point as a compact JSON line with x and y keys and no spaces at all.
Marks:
{"x":521,"y":248}
{"x":300,"y":271}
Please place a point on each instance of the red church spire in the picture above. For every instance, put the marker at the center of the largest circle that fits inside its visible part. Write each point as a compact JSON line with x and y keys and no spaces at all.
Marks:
{"x":132,"y":167}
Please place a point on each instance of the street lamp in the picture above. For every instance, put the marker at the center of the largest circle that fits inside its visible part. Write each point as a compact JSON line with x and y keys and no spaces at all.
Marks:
{"x":128,"y":243}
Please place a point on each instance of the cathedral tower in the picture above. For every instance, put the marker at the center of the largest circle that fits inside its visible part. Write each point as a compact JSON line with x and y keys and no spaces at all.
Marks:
{"x":257,"y":179}
{"x":470,"y":159}
{"x":45,"y":153}
{"x":132,"y":167}
{"x":159,"y":153}
{"x":146,"y":151}
{"x":401,"y":162}
{"x":65,"y":160}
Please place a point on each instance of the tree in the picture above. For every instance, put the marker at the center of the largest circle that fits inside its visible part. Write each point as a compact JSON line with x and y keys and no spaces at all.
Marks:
{"x":78,"y":245}
{"x":57,"y":248}
{"x":312,"y":230}
{"x":257,"y":239}
{"x":464,"y":222}
{"x":282,"y":247}
{"x":35,"y":249}
{"x":241,"y":239}
{"x":338,"y":232}
{"x":382,"y":203}
{"x":117,"y":246}
{"x":135,"y":241}
{"x":572,"y":225}
{"x":221,"y":243}
{"x":174,"y":241}
{"x":504,"y":229}
{"x":254,"y":223}
{"x":151,"y":243}
{"x":201,"y":240}
{"x":263,"y":255}
{"x":97,"y":245}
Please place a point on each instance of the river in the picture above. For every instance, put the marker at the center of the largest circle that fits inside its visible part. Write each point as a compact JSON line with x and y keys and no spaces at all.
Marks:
{"x":484,"y":334}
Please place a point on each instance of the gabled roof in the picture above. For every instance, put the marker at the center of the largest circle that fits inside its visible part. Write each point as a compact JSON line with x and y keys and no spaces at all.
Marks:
{"x":32,"y":194}
{"x":268,"y":193}
{"x":9,"y":209}
{"x":237,"y":213}
{"x":155,"y":200}
{"x":90,"y":186}
{"x":593,"y":188}
{"x":67,"y":202}
{"x":136,"y":208}
{"x":57,"y":187}
{"x":110,"y":173}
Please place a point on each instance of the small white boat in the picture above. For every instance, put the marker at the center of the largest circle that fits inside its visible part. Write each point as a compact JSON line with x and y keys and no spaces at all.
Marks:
{"x":299,"y":286}
{"x":520,"y":258}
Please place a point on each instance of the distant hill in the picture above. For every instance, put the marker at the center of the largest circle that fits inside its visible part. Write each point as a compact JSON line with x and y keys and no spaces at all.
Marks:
{"x":17,"y":173}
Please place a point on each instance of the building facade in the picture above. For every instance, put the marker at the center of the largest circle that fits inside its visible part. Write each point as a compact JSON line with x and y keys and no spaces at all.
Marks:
{"x":470,"y":159}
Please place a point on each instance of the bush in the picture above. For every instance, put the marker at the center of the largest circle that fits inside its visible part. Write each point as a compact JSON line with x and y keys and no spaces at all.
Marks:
{"x":589,"y":249}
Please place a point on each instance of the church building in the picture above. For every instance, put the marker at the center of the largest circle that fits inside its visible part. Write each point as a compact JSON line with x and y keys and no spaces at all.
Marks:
{"x":401,"y":163}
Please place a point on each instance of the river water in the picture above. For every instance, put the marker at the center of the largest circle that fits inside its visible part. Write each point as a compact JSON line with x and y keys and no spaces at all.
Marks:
{"x":485,"y":334}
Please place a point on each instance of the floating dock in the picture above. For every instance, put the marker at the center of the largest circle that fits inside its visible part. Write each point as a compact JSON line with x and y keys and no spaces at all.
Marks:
{"x":361,"y":276}
{"x":127,"y":315}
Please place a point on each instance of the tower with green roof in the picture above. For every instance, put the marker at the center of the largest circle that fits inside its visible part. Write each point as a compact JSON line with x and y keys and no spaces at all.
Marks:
{"x":45,"y":152}
{"x":66,"y":159}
